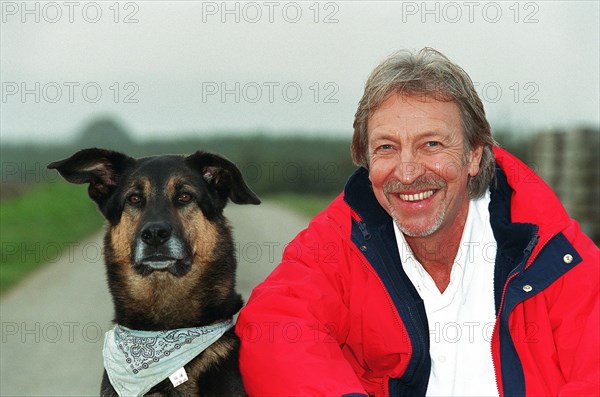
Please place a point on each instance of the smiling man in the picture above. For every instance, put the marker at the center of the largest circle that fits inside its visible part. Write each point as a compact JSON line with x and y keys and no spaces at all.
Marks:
{"x":419,"y":169}
{"x":446,"y":267}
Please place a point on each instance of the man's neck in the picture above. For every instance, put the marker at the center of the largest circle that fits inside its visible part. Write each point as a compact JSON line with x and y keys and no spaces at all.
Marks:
{"x":436,"y":252}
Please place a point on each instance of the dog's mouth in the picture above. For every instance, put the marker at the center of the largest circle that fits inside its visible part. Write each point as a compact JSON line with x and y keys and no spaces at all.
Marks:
{"x":159,"y":262}
{"x":162,"y":263}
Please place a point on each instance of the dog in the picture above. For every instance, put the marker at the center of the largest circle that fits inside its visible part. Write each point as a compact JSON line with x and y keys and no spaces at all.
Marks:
{"x":170,"y":265}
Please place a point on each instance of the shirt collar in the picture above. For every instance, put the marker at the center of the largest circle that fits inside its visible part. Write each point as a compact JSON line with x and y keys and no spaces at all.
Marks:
{"x":477,"y":217}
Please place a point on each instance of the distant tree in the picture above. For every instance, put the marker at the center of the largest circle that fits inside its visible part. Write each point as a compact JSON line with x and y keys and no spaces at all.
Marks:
{"x":105,"y":132}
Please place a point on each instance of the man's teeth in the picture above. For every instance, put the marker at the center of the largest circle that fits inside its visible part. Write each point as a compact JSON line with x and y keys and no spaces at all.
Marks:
{"x":416,"y":197}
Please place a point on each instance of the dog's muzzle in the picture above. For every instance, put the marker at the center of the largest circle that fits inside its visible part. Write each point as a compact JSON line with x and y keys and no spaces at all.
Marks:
{"x":157,"y":248}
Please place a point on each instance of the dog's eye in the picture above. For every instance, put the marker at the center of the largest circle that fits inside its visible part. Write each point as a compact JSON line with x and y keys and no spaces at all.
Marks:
{"x":184,"y":198}
{"x":134,"y":199}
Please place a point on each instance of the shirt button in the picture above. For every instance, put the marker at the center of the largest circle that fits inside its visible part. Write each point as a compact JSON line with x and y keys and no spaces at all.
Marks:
{"x":568,"y":258}
{"x":363,"y":248}
{"x":527,"y":288}
{"x":442,"y":359}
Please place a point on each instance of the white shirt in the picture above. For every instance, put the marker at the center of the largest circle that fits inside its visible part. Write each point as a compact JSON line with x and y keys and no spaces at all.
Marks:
{"x":461,"y":320}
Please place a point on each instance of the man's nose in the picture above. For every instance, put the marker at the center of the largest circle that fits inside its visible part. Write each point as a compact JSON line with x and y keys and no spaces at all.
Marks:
{"x":409,"y":167}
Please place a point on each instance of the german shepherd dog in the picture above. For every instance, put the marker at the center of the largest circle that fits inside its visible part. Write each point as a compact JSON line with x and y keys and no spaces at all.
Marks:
{"x":169,"y":252}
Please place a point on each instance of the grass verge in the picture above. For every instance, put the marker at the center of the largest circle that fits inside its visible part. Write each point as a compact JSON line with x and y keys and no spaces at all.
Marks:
{"x":306,"y":204}
{"x":38,"y":226}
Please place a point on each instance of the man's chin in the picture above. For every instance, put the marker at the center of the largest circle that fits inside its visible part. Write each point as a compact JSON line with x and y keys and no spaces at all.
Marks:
{"x":419,"y":230}
{"x":416,"y":232}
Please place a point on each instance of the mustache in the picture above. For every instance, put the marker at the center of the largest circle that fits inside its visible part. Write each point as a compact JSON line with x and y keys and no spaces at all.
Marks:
{"x":421,"y":183}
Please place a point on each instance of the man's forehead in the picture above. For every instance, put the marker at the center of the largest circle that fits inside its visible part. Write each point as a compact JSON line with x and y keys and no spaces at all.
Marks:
{"x":400,"y":111}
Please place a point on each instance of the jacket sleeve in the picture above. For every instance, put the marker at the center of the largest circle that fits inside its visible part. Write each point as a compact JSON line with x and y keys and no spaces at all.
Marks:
{"x":577,"y":330}
{"x":295,"y":323}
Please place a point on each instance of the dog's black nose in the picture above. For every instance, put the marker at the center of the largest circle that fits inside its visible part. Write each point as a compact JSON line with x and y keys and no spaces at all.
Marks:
{"x":156,"y":233}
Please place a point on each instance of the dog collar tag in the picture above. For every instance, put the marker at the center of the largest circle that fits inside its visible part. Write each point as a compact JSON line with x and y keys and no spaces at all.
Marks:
{"x":178,"y":377}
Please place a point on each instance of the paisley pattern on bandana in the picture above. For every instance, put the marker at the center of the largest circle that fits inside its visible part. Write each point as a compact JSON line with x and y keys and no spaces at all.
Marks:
{"x":135,"y":361}
{"x":142,"y":348}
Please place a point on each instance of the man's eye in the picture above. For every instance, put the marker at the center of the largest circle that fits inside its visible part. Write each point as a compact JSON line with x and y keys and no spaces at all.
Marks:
{"x":384,"y":147}
{"x":432,"y":144}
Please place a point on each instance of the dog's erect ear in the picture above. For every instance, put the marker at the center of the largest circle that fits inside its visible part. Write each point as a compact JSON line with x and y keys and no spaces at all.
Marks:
{"x":100,"y":168}
{"x":223,"y":176}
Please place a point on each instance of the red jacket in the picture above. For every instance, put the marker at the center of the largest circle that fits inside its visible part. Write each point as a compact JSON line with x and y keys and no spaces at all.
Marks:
{"x":339,"y":316}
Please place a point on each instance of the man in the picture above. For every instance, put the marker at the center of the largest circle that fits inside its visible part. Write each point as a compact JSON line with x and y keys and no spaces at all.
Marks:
{"x":446,"y":267}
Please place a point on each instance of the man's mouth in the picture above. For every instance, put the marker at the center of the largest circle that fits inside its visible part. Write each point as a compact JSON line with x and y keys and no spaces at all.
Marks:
{"x":416,"y":196}
{"x":420,"y":190}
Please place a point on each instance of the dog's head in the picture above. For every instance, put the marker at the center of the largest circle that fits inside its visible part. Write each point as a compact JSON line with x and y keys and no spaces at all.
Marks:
{"x":161,"y":210}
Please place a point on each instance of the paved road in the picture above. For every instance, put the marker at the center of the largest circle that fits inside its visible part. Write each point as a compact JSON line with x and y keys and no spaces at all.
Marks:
{"x":53,"y":324}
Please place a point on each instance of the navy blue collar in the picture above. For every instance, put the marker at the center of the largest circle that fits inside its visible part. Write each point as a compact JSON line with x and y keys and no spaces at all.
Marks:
{"x":359,"y":195}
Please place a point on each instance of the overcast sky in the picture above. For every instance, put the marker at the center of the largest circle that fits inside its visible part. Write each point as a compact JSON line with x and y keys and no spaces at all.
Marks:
{"x":172,"y":68}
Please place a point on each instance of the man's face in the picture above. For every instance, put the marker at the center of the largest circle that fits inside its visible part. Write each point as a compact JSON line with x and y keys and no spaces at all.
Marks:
{"x":417,"y":164}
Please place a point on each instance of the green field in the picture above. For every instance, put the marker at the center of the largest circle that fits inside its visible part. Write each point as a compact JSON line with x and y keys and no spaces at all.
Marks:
{"x":38,"y":226}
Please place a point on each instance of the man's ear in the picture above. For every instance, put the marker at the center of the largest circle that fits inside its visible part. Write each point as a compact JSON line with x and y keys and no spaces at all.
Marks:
{"x":222,"y":176}
{"x":474,"y":160}
{"x":100,"y":168}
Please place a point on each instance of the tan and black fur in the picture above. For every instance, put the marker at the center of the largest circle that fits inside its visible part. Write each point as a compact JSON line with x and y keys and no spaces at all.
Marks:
{"x":169,"y":251}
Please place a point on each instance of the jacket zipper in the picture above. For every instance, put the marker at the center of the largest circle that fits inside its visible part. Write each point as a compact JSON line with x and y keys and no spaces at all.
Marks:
{"x":496,"y":328}
{"x":365,"y":262}
{"x":510,"y":277}
{"x":366,"y":235}
{"x":390,"y":306}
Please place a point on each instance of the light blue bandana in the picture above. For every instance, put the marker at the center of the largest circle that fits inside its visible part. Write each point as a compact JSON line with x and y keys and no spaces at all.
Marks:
{"x":137,"y":360}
